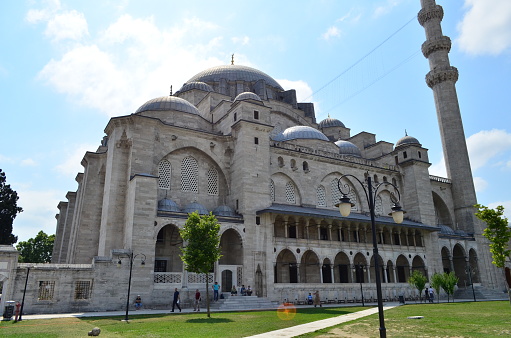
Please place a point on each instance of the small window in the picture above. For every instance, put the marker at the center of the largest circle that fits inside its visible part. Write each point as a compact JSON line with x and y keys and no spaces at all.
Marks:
{"x":256,"y":115}
{"x":292,"y":231}
{"x":397,"y":239}
{"x":235,"y":116}
{"x":82,"y":289}
{"x":46,"y":290}
{"x":323,"y":234}
{"x":258,"y":220}
{"x":160,"y":265}
{"x":396,"y":160}
{"x":256,"y":140}
{"x":405,"y":155}
{"x":305,"y":166}
{"x":420,"y":155}
{"x":281,"y":162}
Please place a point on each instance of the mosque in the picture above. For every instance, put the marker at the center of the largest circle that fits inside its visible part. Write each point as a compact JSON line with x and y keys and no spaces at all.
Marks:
{"x":233,"y":142}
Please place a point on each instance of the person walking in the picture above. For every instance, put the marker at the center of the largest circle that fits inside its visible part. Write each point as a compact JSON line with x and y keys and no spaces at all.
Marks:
{"x":175,"y":302}
{"x":197,"y":301}
{"x":431,"y":295}
{"x":317,"y":300}
{"x":216,"y":288}
{"x":426,"y":294}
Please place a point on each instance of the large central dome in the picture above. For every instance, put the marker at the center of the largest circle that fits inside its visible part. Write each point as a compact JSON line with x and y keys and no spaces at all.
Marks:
{"x":234,"y":73}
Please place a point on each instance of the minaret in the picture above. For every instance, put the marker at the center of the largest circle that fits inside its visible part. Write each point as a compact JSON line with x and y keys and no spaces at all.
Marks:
{"x":442,"y":79}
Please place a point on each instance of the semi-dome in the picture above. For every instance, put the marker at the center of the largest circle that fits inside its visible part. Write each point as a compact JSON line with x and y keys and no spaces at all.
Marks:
{"x":247,"y":96}
{"x":300,"y":132}
{"x":234,"y":73}
{"x":331,"y":122}
{"x":348,"y":148}
{"x":166,"y":103}
{"x":196,"y":85}
{"x":224,"y":210}
{"x":196,"y":207}
{"x":407,"y":140}
{"x":168,"y":205}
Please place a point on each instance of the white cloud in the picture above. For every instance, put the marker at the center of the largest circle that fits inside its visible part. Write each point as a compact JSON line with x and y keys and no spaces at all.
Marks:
{"x":68,"y":25}
{"x":244,"y":40}
{"x":486,"y":145}
{"x":486,"y":27}
{"x":332,"y":32}
{"x":385,"y":8}
{"x":505,"y":204}
{"x":303,"y":90}
{"x":480,"y":184}
{"x":71,"y":164}
{"x":438,"y":169}
{"x":28,"y":162}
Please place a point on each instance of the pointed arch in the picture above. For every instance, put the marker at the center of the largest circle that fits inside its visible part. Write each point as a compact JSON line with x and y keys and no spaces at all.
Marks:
{"x":232,"y":248}
{"x":168,"y":249}
{"x":402,"y":269}
{"x":286,"y":269}
{"x":310,"y":268}
{"x":342,"y":268}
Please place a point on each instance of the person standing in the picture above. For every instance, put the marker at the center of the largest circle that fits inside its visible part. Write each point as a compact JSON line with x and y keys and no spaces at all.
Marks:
{"x":215,"y":287}
{"x":431,"y":295}
{"x":197,"y":301}
{"x":317,"y":300}
{"x":175,"y":302}
{"x":426,"y":294}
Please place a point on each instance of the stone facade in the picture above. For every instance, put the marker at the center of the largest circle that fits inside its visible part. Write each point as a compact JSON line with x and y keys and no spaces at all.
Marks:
{"x":231,"y":141}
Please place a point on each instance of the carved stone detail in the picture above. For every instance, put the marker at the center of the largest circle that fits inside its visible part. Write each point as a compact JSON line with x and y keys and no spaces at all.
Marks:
{"x":426,"y":14}
{"x":436,"y":44}
{"x":437,"y":76}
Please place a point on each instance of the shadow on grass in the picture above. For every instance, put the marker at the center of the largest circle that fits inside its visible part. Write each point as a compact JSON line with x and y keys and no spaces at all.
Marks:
{"x":209,"y":320}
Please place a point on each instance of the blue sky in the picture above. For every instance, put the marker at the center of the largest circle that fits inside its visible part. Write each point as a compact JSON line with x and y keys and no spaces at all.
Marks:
{"x":66,"y":67}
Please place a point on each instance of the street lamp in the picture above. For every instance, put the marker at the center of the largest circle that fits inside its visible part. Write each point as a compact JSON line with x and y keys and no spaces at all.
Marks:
{"x":131,"y":258}
{"x":359,"y":273}
{"x":397,"y":214}
{"x":469,"y":272}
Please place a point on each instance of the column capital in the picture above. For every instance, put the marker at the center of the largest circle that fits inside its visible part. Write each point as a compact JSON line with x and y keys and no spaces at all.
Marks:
{"x":426,"y":14}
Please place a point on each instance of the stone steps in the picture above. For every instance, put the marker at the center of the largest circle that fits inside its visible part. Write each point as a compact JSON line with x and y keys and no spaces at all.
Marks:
{"x":480,"y":293}
{"x":239,"y":303}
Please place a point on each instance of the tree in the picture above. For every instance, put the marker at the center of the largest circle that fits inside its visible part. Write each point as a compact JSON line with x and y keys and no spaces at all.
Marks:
{"x":202,"y":245}
{"x":8,"y":211}
{"x":36,"y":250}
{"x":497,"y":232}
{"x":436,"y":282}
{"x":449,"y":280}
{"x":418,"y":280}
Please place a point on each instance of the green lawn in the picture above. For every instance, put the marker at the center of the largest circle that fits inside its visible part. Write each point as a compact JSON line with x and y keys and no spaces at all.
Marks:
{"x":225,"y":324}
{"x":480,"y":319}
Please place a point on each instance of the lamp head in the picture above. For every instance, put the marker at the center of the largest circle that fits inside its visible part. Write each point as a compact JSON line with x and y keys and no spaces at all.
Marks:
{"x":397,"y":213}
{"x":345,"y":205}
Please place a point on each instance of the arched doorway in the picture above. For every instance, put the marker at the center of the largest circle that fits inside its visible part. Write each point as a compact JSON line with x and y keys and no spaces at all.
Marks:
{"x":231,"y":262}
{"x":474,"y":268}
{"x":342,"y":268}
{"x":418,"y":264}
{"x":326,"y":271}
{"x":403,"y":269}
{"x":309,"y":268}
{"x":446,"y":260}
{"x":286,"y":269}
{"x":460,"y":265}
{"x":360,"y":269}
{"x":380,"y":268}
{"x":389,"y":272}
{"x":168,"y":266}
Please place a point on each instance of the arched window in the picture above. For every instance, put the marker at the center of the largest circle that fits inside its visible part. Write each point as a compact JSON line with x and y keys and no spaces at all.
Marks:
{"x":290,"y":193}
{"x":321,"y":196}
{"x":281,"y":161}
{"x":164,"y":174}
{"x":189,"y":175}
{"x":305,"y":166}
{"x":272,"y":190}
{"x":212,"y":181}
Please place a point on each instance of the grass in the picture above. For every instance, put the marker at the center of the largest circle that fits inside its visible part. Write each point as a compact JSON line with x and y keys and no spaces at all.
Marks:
{"x":225,"y":324}
{"x":480,"y":319}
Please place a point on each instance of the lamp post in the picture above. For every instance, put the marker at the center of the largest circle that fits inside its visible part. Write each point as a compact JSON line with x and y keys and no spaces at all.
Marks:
{"x":469,"y":272}
{"x":131,"y":258}
{"x":359,"y":273}
{"x":397,"y":214}
{"x":24,"y":292}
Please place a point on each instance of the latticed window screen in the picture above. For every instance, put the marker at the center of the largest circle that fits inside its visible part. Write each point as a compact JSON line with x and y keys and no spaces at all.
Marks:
{"x":164,"y":174}
{"x":378,"y":206}
{"x":189,"y":175}
{"x":239,"y":275}
{"x":212,"y":181}
{"x":46,"y":290}
{"x":82,"y":289}
{"x":321,"y":196}
{"x":272,"y":190}
{"x":290,"y":192}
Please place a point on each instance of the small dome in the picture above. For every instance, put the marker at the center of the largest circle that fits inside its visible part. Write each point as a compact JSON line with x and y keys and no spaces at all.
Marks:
{"x":300,"y":132}
{"x":446,"y":230}
{"x":407,"y":140}
{"x":330,"y":122}
{"x":348,"y":148}
{"x":247,"y":96}
{"x":224,"y":210}
{"x":196,"y":85}
{"x":195,"y":207}
{"x":168,"y":205}
{"x":166,"y":103}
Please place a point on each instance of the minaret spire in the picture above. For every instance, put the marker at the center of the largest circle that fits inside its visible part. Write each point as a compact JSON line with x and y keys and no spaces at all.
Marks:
{"x":442,"y":79}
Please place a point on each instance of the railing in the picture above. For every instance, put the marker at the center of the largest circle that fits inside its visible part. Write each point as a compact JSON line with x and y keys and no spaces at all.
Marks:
{"x":168,"y":277}
{"x":439,"y":179}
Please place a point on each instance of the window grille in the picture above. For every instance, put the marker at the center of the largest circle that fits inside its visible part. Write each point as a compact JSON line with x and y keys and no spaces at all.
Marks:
{"x":321,"y":196}
{"x":46,"y":290}
{"x":378,"y":206}
{"x":82,"y":289}
{"x":239,"y":275}
{"x":189,"y":175}
{"x":290,"y":193}
{"x":212,"y":181}
{"x":164,"y":173}
{"x":272,"y":191}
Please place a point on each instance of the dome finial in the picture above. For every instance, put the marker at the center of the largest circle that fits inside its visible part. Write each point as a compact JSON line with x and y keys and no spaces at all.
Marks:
{"x":328,"y":115}
{"x":406,"y":134}
{"x":170,"y":90}
{"x":232,"y":59}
